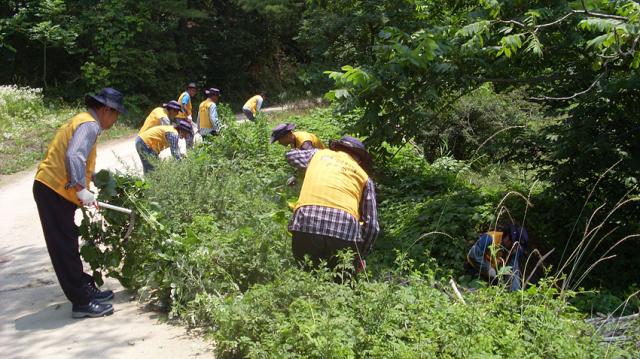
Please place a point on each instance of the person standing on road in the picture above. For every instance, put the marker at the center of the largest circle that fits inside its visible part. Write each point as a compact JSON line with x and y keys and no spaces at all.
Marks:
{"x":151,"y":142}
{"x":337,"y":205}
{"x":161,"y":116}
{"x":496,"y":249}
{"x":253,"y":105}
{"x":61,"y":185}
{"x":208,"y":122}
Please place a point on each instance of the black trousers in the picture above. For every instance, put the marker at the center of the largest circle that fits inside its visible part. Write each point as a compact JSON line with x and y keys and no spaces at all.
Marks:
{"x":61,"y":234}
{"x":319,"y":247}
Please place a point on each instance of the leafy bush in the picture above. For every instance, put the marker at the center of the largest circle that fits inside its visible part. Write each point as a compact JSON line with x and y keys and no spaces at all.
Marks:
{"x":211,"y":246}
{"x":302,"y":315}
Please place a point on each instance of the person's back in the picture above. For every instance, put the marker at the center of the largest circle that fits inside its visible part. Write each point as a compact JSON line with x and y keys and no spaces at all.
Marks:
{"x":253,"y":106}
{"x":337,"y":208}
{"x":301,"y":137}
{"x":333,"y":179}
{"x":156,"y":137}
{"x":155,"y":118}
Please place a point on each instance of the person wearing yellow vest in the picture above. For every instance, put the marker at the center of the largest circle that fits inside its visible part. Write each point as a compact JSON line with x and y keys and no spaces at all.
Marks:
{"x":208,"y":122}
{"x":284,"y":134}
{"x":496,"y":249}
{"x":151,"y":142}
{"x":253,"y":105}
{"x":185,"y":102}
{"x":337,"y":207}
{"x":161,"y":116}
{"x":61,"y":185}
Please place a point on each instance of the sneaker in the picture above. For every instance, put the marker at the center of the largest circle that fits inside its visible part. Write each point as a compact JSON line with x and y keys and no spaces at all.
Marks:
{"x":92,"y":310}
{"x":98,"y":295}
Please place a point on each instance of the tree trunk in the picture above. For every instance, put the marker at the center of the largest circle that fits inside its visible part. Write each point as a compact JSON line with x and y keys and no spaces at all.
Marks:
{"x":44,"y":64}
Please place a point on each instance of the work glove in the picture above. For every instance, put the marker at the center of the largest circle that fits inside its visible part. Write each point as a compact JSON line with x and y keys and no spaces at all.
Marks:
{"x":86,"y":197}
{"x":291,"y":181}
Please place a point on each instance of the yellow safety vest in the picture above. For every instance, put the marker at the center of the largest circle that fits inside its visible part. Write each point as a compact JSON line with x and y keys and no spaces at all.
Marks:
{"x":203,"y":114}
{"x":188,"y":106}
{"x":252,"y":104}
{"x":497,"y":260}
{"x":154,"y":119}
{"x":156,"y":137}
{"x":52,"y":171}
{"x":302,"y":137}
{"x":333,"y":179}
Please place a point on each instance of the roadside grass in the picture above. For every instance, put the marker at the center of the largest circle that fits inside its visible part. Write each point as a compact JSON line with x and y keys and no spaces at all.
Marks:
{"x":28,"y":122}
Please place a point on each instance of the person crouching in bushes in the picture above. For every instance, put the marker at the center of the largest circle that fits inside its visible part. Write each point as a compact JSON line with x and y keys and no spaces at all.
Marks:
{"x":336,"y":209}
{"x":152,"y":141}
{"x":284,"y":134}
{"x":161,"y":116}
{"x":496,"y":249}
{"x":208,"y":122}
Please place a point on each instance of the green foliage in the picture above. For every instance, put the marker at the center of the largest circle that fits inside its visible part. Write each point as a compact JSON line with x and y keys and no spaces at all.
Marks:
{"x":577,"y":60}
{"x":303,"y":315}
{"x":28,"y":122}
{"x":210,"y":245}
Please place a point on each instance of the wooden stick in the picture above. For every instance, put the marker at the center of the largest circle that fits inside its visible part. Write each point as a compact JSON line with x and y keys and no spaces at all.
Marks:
{"x":456,"y":291}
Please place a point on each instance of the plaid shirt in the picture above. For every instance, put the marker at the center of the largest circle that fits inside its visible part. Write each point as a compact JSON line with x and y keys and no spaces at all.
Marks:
{"x":173,"y":139}
{"x":332,"y":221}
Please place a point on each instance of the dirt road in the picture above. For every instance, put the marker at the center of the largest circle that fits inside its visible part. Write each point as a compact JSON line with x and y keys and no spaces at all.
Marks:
{"x":35,"y":317}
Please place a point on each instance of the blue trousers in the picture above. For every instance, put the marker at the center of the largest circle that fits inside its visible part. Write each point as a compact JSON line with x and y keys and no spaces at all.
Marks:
{"x":145,"y":154}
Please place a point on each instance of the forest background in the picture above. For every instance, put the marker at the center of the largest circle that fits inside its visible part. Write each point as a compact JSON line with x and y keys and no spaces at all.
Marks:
{"x":534,"y":97}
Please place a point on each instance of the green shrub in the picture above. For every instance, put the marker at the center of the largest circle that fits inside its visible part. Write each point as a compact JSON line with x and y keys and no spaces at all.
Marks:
{"x":211,"y":246}
{"x":302,"y":315}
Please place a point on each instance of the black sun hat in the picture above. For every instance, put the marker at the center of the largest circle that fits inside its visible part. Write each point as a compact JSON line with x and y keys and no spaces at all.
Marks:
{"x":281,"y":130}
{"x":353,"y":146}
{"x":109,"y":97}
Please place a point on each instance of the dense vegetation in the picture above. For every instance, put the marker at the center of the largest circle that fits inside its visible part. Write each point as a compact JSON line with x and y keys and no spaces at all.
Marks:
{"x":215,"y":252}
{"x":477,"y":112}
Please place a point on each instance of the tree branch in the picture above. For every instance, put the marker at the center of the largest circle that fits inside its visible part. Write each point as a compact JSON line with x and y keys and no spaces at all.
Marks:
{"x":566,"y":16}
{"x":547,"y":98}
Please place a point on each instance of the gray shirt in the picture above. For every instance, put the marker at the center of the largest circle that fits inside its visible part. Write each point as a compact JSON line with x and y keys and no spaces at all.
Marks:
{"x":82,"y":141}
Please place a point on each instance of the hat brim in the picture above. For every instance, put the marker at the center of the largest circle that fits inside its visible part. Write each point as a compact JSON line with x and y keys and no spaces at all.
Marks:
{"x":168,"y":107}
{"x":280,"y":134}
{"x":363,"y":155}
{"x":113,"y":105}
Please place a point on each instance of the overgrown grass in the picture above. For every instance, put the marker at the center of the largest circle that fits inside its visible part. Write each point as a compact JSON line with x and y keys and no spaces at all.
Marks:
{"x":28,"y":122}
{"x":211,"y":246}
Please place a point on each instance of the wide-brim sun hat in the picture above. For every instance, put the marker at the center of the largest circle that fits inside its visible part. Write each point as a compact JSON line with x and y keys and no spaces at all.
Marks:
{"x":184,"y":125}
{"x":281,"y":130}
{"x":172,"y":105}
{"x":212,"y":92}
{"x":354,"y":146}
{"x":109,"y":97}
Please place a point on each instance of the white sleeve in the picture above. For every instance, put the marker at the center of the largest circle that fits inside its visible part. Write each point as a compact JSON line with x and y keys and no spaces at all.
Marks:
{"x":260,"y":99}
